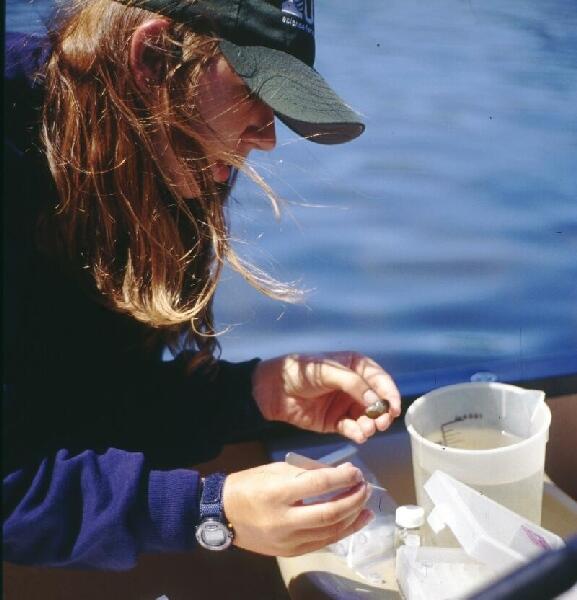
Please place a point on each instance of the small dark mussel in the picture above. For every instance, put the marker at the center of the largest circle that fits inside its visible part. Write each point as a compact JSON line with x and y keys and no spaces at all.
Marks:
{"x":377,"y":409}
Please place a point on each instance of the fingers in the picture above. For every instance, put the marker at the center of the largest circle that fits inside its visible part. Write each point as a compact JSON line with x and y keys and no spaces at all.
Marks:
{"x":351,"y":429}
{"x":379,"y":381}
{"x":361,"y":378}
{"x":329,"y":514}
{"x":308,"y":484}
{"x":367,"y":426}
{"x":336,"y":374}
{"x":383,"y":422}
{"x":359,"y":427}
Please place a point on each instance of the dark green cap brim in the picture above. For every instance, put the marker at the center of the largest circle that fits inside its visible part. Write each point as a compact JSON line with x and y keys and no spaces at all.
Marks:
{"x":298,"y":95}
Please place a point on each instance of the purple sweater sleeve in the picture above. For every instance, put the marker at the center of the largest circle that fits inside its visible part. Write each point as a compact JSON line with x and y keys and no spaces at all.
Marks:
{"x":97,"y":510}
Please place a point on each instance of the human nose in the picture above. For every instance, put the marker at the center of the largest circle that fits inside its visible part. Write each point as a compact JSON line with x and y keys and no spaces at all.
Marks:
{"x":261,"y":134}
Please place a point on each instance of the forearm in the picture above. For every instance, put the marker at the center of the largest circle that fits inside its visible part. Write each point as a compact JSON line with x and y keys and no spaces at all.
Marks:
{"x":97,"y":511}
{"x":175,"y":418}
{"x":202,"y":410}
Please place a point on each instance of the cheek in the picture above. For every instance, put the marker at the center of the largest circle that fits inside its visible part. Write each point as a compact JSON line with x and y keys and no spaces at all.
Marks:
{"x":224,"y":116}
{"x":214,"y":113}
{"x":228,"y":127}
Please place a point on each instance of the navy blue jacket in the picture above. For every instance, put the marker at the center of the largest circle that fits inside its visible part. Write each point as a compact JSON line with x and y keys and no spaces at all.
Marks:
{"x":98,"y":430}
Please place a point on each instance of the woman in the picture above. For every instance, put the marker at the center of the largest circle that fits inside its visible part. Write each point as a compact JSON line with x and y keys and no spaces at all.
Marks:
{"x":124,"y":137}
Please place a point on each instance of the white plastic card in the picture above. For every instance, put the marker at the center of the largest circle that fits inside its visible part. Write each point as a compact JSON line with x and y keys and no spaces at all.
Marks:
{"x":487,"y":531}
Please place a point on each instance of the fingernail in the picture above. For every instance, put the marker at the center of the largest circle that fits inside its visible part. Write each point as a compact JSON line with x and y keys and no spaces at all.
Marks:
{"x":370,"y":397}
{"x":357,"y":473}
{"x":347,"y":465}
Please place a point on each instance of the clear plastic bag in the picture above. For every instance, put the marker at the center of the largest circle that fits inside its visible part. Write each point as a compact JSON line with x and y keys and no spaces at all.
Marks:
{"x":366,"y":550}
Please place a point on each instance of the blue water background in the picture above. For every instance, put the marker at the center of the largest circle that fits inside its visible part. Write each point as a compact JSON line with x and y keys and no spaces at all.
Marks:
{"x":446,"y":236}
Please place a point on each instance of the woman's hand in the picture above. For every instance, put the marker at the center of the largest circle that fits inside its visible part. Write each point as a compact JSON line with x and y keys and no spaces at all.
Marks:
{"x":264,"y":506}
{"x":326,"y":393}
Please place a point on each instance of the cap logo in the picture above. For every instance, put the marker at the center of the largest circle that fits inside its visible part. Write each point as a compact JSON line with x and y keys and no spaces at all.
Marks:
{"x":299,"y":14}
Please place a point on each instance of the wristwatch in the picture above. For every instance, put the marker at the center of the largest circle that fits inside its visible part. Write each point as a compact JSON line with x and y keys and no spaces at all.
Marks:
{"x":213,"y":532}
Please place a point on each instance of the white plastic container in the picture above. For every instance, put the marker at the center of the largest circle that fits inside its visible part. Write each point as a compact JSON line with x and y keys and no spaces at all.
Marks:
{"x":493,"y":540}
{"x":488,"y":532}
{"x":491,"y":436}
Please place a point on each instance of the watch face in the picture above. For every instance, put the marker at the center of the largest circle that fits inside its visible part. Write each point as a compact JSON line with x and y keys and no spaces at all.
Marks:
{"x":213,"y":535}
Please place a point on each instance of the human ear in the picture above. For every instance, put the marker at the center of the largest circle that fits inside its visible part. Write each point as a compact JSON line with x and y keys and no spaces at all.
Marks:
{"x":146,"y":58}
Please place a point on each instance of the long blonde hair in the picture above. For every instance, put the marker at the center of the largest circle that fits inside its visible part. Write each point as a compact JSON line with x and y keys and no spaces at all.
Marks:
{"x":151,"y":253}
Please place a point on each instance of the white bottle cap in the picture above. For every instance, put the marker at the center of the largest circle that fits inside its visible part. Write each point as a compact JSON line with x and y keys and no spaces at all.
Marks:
{"x":410,"y":516}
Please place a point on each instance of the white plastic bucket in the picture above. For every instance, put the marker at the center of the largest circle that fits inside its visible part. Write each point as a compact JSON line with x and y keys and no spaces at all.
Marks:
{"x":511,"y":475}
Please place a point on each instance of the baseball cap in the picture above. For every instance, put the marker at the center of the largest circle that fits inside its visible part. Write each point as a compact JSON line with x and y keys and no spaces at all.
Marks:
{"x":271,"y":46}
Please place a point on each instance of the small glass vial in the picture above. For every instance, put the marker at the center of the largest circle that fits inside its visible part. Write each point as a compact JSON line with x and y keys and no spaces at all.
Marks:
{"x":409,"y":520}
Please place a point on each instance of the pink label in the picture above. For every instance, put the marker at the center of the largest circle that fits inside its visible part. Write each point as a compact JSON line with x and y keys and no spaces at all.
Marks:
{"x":537,"y":539}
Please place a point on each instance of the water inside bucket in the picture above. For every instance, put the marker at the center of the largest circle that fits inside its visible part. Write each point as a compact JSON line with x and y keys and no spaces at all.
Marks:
{"x":454,"y":435}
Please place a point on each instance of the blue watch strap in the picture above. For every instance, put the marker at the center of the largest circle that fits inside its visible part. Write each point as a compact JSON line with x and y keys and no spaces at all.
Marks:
{"x":211,"y":497}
